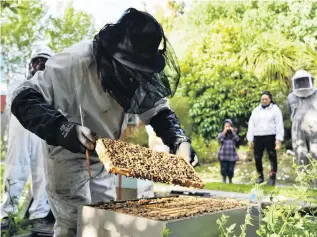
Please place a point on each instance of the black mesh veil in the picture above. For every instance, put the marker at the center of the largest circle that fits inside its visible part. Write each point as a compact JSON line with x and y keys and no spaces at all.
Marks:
{"x":303,"y":83}
{"x":135,"y":79}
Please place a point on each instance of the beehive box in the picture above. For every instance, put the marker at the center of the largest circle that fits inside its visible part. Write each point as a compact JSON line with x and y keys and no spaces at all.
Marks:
{"x":179,"y":216}
{"x":133,"y":188}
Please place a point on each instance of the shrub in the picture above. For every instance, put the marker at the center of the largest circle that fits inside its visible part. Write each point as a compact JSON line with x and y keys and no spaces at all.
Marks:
{"x":206,"y":151}
{"x":281,"y":219}
{"x":181,"y":107}
{"x":137,"y":135}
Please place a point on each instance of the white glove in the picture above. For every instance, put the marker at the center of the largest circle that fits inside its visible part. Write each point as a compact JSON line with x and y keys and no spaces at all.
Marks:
{"x":185,"y":150}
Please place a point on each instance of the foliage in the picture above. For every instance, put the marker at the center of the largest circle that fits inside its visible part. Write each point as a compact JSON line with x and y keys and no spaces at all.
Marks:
{"x":267,"y":190}
{"x":137,"y":135}
{"x":1,"y":180}
{"x":25,"y":23}
{"x":232,"y":97}
{"x":166,"y":232}
{"x":286,"y":220}
{"x":181,"y":107}
{"x":226,"y":231}
{"x":167,"y":16}
{"x":296,"y":20}
{"x":206,"y":150}
{"x":73,"y":27}
{"x":230,"y":52}
{"x":14,"y":227}
{"x":289,"y":219}
{"x":21,"y":24}
{"x":3,"y":148}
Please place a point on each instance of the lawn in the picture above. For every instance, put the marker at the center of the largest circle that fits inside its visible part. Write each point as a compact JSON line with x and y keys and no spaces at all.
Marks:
{"x":245,"y":171}
{"x":1,"y":176}
{"x":245,"y":176}
{"x":268,"y":190}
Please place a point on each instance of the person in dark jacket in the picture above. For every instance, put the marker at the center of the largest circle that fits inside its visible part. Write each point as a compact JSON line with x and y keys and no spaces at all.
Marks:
{"x":227,"y":154}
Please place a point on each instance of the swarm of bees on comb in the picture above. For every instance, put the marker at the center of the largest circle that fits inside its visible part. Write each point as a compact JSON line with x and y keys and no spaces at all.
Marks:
{"x":170,"y":208}
{"x":136,"y":161}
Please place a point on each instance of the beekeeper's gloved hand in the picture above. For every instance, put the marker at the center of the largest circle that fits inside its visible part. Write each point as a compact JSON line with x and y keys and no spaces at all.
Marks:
{"x":167,"y":127}
{"x":185,"y":150}
{"x":75,"y":138}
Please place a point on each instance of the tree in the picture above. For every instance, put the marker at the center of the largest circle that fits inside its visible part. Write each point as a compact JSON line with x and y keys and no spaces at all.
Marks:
{"x":20,"y":28}
{"x":275,"y":37}
{"x":12,"y":6}
{"x":73,"y":27}
{"x":298,"y":21}
{"x":26,"y":22}
{"x":231,"y":52}
{"x":231,"y":93}
{"x":168,"y":14}
{"x":181,"y":106}
{"x":272,"y":57}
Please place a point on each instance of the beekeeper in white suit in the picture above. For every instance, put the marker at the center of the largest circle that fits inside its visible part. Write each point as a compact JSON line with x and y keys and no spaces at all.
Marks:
{"x":122,"y":71}
{"x":302,"y":105}
{"x":24,"y":154}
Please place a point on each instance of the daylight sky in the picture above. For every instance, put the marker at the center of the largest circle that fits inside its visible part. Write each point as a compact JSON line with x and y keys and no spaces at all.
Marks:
{"x":104,"y":11}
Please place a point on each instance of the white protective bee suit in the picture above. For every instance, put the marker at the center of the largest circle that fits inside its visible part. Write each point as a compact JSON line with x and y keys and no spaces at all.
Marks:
{"x":25,"y":154}
{"x":302,"y":105}
{"x":121,"y":72}
{"x":3,"y":101}
{"x":68,"y":182}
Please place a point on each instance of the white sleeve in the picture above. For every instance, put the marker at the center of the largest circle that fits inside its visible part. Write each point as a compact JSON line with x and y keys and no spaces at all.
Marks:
{"x":18,"y":151}
{"x":41,"y":82}
{"x":279,"y":124}
{"x":57,"y":83}
{"x":250,"y":133}
{"x":159,"y":106}
{"x":41,"y":103}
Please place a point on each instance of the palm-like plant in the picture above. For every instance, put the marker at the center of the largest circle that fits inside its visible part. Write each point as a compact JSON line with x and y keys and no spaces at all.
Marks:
{"x":271,"y":57}
{"x":310,"y":59}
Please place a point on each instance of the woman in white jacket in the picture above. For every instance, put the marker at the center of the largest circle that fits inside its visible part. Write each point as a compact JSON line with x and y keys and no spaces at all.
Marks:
{"x":266,"y":132}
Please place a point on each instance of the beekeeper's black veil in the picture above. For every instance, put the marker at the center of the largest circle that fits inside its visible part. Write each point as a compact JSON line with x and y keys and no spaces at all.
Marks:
{"x":132,"y":68}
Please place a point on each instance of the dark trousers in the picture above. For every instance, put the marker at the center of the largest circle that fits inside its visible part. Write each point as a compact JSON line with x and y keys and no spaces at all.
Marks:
{"x":227,"y":168}
{"x":260,"y":144}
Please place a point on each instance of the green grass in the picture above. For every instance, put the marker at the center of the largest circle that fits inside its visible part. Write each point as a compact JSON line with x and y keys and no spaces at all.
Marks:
{"x":245,"y":171}
{"x":268,"y":190}
{"x":1,"y":180}
{"x":3,"y":148}
{"x":239,"y":188}
{"x":24,"y":193}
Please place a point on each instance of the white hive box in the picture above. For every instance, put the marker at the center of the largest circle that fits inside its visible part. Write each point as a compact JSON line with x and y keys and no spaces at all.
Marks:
{"x":134,"y":188}
{"x":152,"y":219}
